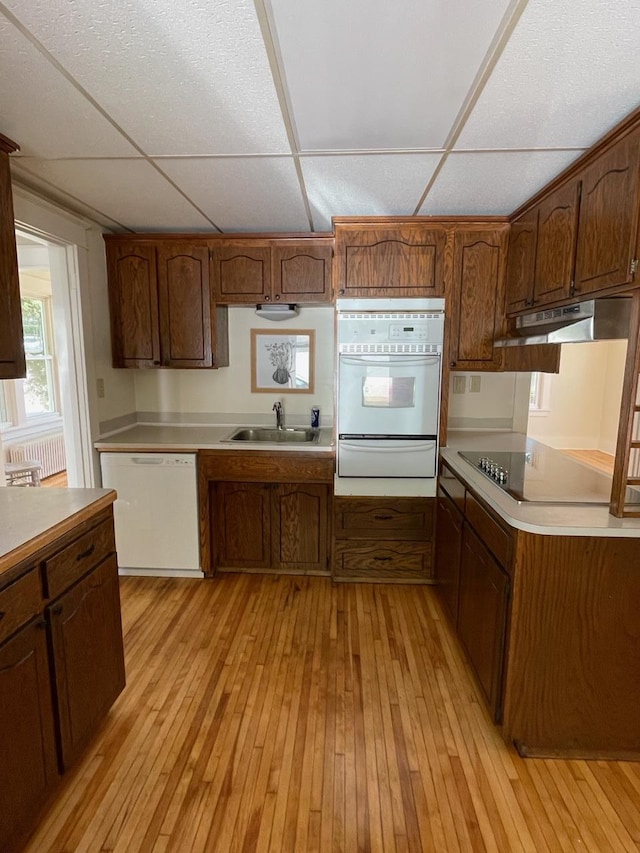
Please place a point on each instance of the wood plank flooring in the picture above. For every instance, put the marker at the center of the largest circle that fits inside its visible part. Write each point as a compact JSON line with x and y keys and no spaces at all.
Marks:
{"x":267,"y":713}
{"x":596,"y":458}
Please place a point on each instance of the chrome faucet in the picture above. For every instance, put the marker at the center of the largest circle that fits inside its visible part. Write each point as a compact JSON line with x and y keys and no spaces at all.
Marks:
{"x":278,"y":409}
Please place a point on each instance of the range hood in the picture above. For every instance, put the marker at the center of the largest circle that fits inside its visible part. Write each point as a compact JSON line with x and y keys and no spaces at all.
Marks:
{"x":603,"y":319}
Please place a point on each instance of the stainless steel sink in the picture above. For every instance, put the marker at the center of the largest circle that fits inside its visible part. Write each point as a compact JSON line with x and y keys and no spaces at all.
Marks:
{"x":275,"y":436}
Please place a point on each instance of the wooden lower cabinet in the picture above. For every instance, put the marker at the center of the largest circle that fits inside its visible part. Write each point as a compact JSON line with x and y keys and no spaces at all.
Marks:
{"x":549,"y":626}
{"x":265,"y":511}
{"x":29,"y":766}
{"x":88,"y":664}
{"x":482,"y":616}
{"x":382,"y":538}
{"x":447,"y":552}
{"x":61,"y":665}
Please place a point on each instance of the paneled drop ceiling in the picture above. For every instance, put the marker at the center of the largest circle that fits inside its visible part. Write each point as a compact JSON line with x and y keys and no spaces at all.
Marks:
{"x":275,"y":115}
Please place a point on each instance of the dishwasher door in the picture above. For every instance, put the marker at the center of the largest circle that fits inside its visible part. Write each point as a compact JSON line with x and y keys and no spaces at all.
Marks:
{"x":156,"y":512}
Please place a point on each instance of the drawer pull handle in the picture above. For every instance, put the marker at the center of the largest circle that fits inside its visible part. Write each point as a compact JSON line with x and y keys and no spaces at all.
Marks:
{"x":383,"y":517}
{"x":86,"y":553}
{"x":382,"y":559}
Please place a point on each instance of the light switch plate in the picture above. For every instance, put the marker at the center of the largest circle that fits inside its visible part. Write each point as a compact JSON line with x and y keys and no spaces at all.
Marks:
{"x":474,"y":385}
{"x":459,"y":384}
{"x":100,"y":387}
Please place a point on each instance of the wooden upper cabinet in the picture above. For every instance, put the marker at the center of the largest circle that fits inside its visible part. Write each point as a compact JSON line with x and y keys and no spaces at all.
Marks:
{"x":301,"y":272}
{"x":394,"y":260}
{"x":162,"y":313}
{"x":556,"y":244}
{"x":133,"y":302}
{"x":521,"y":261}
{"x":542,"y":251}
{"x":477,"y":298}
{"x":12,"y":360}
{"x":608,"y":232}
{"x":184,"y":306}
{"x":241,"y":272}
{"x":263,"y":270}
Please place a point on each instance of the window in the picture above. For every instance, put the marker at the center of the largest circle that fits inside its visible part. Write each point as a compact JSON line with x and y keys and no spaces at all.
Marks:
{"x":39,"y":386}
{"x":27,"y":403}
{"x":539,"y":394}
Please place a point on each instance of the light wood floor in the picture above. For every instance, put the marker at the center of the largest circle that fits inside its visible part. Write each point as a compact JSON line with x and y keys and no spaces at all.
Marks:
{"x":290,"y":714}
{"x":56,"y":480}
{"x":596,"y":458}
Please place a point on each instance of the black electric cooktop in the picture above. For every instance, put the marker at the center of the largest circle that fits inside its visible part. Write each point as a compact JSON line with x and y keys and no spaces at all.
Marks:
{"x":542,"y":475}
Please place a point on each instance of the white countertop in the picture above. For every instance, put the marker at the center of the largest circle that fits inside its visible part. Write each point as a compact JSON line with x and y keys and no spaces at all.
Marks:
{"x":558,"y":519}
{"x":30,"y":518}
{"x":184,"y":439}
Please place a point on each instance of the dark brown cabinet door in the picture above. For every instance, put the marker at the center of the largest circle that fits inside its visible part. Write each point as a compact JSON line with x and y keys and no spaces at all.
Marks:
{"x":521,"y":261}
{"x":302,"y":272}
{"x":88,"y":662}
{"x":300,"y":522}
{"x":608,"y":226}
{"x":556,"y":247}
{"x":12,"y":361}
{"x":133,"y":302}
{"x":241,"y":525}
{"x":406,"y":260}
{"x":241,"y":273}
{"x":27,"y":741}
{"x":447,"y":553}
{"x":185,"y":306}
{"x":478,"y":298}
{"x":482,"y":614}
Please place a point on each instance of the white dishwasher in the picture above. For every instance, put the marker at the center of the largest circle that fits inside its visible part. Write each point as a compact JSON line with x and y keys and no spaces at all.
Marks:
{"x":156,"y":512}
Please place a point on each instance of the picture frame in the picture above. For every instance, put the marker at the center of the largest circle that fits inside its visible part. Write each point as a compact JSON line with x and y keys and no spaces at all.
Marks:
{"x":282,"y":361}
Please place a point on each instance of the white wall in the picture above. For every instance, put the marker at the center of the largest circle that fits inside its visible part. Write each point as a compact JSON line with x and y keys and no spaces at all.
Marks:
{"x":495,"y":405}
{"x":584,"y":401}
{"x":203,"y":394}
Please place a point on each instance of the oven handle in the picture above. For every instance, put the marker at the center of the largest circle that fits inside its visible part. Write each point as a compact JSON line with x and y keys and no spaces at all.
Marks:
{"x":410,"y":448}
{"x":395,"y":359}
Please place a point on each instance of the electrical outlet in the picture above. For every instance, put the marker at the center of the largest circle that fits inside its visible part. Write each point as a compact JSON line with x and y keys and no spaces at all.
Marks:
{"x":459,"y":384}
{"x":100,"y":387}
{"x":474,"y":385}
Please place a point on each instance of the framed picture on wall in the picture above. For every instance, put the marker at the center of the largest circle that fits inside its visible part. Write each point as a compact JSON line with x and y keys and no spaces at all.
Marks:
{"x":282,"y":361}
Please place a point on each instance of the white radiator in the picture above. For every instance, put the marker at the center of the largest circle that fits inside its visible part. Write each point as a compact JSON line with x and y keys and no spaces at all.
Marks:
{"x":48,"y":450}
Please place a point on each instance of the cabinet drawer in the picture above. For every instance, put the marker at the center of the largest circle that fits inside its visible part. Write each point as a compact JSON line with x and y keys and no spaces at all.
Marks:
{"x":452,"y":486}
{"x":382,"y":559}
{"x":494,"y":536}
{"x":67,"y":566}
{"x":19,"y":602}
{"x":384,"y":518}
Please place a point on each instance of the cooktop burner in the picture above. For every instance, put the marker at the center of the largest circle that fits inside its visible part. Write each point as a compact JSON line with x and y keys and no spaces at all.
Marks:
{"x":543,"y":475}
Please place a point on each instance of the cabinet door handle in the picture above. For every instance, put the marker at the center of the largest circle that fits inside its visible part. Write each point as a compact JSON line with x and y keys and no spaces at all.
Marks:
{"x":382,"y":517}
{"x":452,"y":364}
{"x":382,"y":559}
{"x":57,"y":610}
{"x":86,"y":553}
{"x":267,"y":298}
{"x":2,"y":614}
{"x":277,"y":296}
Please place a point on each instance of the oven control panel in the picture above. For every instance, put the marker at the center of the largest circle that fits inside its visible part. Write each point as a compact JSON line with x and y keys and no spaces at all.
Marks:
{"x":364,"y":328}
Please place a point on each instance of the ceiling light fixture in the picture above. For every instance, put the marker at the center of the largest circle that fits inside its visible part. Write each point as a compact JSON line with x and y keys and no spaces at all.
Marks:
{"x":270,"y":311}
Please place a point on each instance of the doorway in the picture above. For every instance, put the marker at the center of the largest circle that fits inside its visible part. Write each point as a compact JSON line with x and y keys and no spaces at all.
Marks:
{"x":45,"y":416}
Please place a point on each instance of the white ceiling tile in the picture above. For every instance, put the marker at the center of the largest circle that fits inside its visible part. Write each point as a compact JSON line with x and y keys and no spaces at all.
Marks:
{"x":250,"y":194}
{"x":367,"y":74}
{"x":179,"y":76}
{"x":43,"y":112}
{"x":492,"y":183}
{"x":370,"y":184}
{"x":569,"y":72}
{"x":130,"y":192}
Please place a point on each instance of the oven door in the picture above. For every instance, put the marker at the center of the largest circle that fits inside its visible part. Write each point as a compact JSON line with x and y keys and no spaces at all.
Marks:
{"x":394,"y":395}
{"x":386,"y":458}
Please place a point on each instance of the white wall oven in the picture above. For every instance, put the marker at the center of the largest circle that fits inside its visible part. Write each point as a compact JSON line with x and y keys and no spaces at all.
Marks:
{"x":389,"y":373}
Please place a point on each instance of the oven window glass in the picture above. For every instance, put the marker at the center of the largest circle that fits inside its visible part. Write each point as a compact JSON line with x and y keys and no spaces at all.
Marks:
{"x":388,"y":392}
